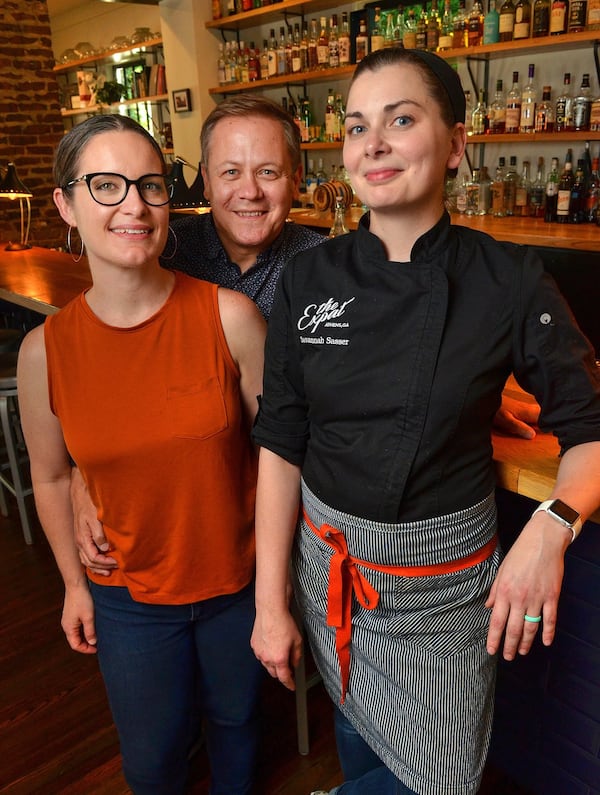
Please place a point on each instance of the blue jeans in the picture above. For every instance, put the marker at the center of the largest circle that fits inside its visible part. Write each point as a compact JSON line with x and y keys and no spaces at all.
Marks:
{"x":364,"y":772}
{"x":157,"y":661}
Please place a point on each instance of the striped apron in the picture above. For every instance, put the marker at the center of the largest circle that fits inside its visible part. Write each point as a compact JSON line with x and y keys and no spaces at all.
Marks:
{"x":396,"y":620}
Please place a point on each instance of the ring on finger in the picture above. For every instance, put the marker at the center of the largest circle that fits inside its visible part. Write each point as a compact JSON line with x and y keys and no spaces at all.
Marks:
{"x":532,"y":619}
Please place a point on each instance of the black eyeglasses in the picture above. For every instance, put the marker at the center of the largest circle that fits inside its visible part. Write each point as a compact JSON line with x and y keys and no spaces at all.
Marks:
{"x":111,"y":189}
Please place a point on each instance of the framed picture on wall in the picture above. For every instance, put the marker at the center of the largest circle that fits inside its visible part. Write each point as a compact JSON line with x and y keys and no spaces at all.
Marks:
{"x":182,"y":100}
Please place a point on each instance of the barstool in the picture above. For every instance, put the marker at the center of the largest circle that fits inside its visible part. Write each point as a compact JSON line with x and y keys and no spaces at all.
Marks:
{"x":14,"y":453}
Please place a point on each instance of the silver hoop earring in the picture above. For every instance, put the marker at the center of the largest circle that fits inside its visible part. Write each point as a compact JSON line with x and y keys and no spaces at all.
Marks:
{"x":175,"y":242}
{"x":69,"y":248}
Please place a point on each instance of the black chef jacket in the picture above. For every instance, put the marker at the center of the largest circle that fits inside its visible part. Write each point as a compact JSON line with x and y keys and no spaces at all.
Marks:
{"x":382,"y":378}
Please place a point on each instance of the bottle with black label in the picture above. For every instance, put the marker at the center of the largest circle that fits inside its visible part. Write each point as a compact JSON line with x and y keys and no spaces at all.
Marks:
{"x":577,"y":16}
{"x":564,"y":107}
{"x":565,"y":184}
{"x":582,"y":105}
{"x":541,"y":18}
{"x":552,"y":192}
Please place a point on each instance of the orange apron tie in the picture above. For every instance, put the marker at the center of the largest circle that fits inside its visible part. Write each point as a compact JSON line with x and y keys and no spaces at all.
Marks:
{"x":345,"y":579}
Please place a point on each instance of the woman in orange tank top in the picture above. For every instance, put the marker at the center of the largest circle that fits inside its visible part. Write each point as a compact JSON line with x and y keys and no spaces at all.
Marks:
{"x":148,"y":381}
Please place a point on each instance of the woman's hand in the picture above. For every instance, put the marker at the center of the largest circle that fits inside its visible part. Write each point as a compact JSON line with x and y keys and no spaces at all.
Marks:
{"x":277,"y":644}
{"x":78,"y":619}
{"x":89,"y":532}
{"x":528,"y":583}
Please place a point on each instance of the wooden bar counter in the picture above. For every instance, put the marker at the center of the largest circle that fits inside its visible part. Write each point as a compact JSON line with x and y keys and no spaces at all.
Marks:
{"x":526,"y":231}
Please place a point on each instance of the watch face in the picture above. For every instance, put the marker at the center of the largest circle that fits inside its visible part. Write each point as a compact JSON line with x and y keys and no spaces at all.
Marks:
{"x":564,"y":512}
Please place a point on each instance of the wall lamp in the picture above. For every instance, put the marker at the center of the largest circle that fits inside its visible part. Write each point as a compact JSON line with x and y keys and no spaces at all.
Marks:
{"x":12,"y":188}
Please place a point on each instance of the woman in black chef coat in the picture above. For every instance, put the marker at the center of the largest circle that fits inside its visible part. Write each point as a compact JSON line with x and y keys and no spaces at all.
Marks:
{"x":386,"y":356}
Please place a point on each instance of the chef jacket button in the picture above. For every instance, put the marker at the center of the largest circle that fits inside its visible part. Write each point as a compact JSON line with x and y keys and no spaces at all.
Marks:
{"x":545,"y":318}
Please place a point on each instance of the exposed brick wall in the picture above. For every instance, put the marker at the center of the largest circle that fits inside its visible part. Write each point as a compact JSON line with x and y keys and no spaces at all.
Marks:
{"x":30,"y":121}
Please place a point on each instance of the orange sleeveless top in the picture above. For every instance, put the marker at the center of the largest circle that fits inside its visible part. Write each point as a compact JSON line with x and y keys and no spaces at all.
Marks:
{"x":153,"y":417}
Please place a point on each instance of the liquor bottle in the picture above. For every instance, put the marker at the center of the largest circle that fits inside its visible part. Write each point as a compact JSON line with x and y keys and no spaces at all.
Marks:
{"x":216,"y":9}
{"x":577,"y":16}
{"x":229,"y":71}
{"x":498,"y":190}
{"x":479,"y":115}
{"x":523,"y":192}
{"x":468,"y":113}
{"x":459,"y":26}
{"x":473,"y":186}
{"x":544,"y":112}
{"x":537,"y":198}
{"x":522,"y":27}
{"x":507,"y":20}
{"x":313,"y":37}
{"x":577,"y":200}
{"x":409,"y":34}
{"x":340,"y":112}
{"x":433,"y":28}
{"x":582,"y":105}
{"x":497,"y":111}
{"x":390,"y":27}
{"x":311,"y":181}
{"x":305,"y":131}
{"x":528,"y":97}
{"x":330,"y":117}
{"x":564,"y":107}
{"x":422,"y":30}
{"x":541,"y":18}
{"x":593,"y":15}
{"x":289,"y":52}
{"x":321,"y":175}
{"x":398,"y":28}
{"x":595,"y":114}
{"x":565,"y":184}
{"x":447,"y":30}
{"x":362,"y":42}
{"x":377,"y":37}
{"x":513,"y":106}
{"x":491,"y":24}
{"x":272,"y":54}
{"x":231,"y":9}
{"x":475,"y":24}
{"x":461,"y":194}
{"x":558,"y":17}
{"x":510,"y":186}
{"x":296,"y":50}
{"x":323,"y":46}
{"x":221,"y":65}
{"x":253,"y":63}
{"x":304,"y":48}
{"x":281,"y":61}
{"x":334,"y":43}
{"x":485,"y":192}
{"x":552,"y":192}
{"x":246,"y":5}
{"x":344,"y":41}
{"x":339,"y":219}
{"x":592,"y":193}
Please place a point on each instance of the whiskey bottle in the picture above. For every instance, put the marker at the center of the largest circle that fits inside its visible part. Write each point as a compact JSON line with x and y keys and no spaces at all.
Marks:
{"x":323,"y":46}
{"x":523,"y":191}
{"x":537,"y":199}
{"x":558,"y":17}
{"x":334,"y":43}
{"x":313,"y":60}
{"x":447,"y":28}
{"x":513,"y":106}
{"x":510,"y":186}
{"x":522,"y":20}
{"x":541,"y":18}
{"x":433,"y":28}
{"x":528,"y":97}
{"x":582,"y":105}
{"x":362,"y":42}
{"x":409,"y":34}
{"x":565,"y":184}
{"x":552,"y":192}
{"x":459,"y":26}
{"x":592,"y":193}
{"x":497,"y":111}
{"x":544,"y":112}
{"x":564,"y":107}
{"x":498,"y":190}
{"x":344,"y":41}
{"x":421,"y":41}
{"x":479,"y":115}
{"x":577,"y":16}
{"x":475,"y":25}
{"x":577,"y":200}
{"x":507,"y":20}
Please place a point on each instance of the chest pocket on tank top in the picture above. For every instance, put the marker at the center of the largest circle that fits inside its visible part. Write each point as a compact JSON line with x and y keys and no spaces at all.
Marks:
{"x":196,"y":411}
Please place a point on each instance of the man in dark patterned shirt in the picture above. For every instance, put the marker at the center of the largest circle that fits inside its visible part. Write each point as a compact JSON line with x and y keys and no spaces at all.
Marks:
{"x":251,"y":169}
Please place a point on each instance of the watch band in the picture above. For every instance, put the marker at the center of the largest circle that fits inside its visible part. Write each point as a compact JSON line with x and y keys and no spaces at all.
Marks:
{"x":551,"y":508}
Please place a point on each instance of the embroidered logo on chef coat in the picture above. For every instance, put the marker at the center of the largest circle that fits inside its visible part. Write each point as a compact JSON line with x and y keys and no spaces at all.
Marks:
{"x":329,"y":315}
